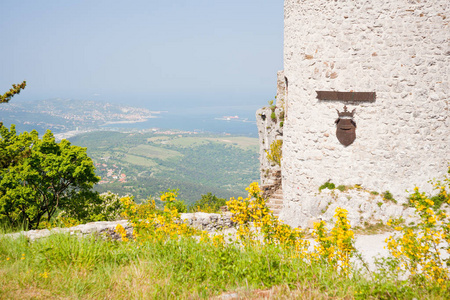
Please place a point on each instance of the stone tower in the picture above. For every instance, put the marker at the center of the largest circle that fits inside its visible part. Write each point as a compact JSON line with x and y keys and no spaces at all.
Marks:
{"x":382,"y":68}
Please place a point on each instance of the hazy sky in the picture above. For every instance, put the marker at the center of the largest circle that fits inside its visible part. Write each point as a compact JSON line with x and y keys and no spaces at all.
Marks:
{"x":204,"y":52}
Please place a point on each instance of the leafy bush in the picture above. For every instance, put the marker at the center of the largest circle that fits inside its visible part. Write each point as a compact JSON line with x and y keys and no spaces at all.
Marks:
{"x":387,"y":196}
{"x":327,"y":185}
{"x":438,"y":199}
{"x":92,"y":207}
{"x":171,"y":201}
{"x":273,"y":116}
{"x":253,"y":210}
{"x":337,"y":247}
{"x":209,"y":203}
{"x":342,"y":188}
{"x":151,"y":223}
{"x":281,"y":115}
{"x":274,"y":155}
{"x":420,"y":252}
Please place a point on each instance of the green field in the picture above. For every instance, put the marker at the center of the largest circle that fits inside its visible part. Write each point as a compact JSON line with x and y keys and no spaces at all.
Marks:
{"x":154,"y":152}
{"x":221,"y":164}
{"x":245,"y":143}
{"x":138,"y":160}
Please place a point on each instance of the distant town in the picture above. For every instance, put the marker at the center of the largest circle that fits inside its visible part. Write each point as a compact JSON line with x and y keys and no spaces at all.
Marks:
{"x":67,"y":115}
{"x":111,"y":173}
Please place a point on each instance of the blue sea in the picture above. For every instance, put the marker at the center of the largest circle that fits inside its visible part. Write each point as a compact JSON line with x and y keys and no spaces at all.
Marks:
{"x":202,"y":119}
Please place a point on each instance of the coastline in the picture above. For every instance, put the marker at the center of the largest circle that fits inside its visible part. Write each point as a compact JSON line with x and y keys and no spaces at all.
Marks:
{"x":129,"y":121}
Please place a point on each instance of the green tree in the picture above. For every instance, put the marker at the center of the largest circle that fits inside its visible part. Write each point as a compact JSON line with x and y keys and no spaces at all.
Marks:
{"x":208,"y":203}
{"x":16,"y":88}
{"x":93,"y":207}
{"x":39,"y":176}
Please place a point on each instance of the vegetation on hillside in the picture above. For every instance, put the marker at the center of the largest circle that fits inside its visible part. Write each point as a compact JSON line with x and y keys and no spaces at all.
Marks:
{"x":196,"y":165}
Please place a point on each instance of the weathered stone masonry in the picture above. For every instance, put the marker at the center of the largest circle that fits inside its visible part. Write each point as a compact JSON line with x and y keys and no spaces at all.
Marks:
{"x":270,"y":130}
{"x":398,"y":49}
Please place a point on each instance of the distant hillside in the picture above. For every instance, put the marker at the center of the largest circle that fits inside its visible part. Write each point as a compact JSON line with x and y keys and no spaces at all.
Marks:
{"x":60,"y":115}
{"x":145,"y":163}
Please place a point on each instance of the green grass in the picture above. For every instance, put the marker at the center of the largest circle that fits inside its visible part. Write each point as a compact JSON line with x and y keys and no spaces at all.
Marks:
{"x":154,"y":152}
{"x":139,"y":160}
{"x":245,"y":143}
{"x":187,"y":141}
{"x":68,"y":267}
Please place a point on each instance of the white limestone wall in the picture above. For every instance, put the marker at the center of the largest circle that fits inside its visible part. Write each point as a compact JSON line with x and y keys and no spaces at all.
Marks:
{"x":270,"y":130}
{"x":396,"y":48}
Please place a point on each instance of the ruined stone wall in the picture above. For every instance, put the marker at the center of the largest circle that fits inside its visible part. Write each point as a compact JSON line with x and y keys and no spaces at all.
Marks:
{"x":398,"y":49}
{"x":270,"y":122}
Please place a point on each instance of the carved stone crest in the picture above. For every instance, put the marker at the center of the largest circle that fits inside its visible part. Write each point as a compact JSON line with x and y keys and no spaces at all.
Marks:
{"x":345,"y":127}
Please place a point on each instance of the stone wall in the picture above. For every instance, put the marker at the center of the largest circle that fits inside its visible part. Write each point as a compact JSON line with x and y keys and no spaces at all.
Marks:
{"x":270,"y":122}
{"x":202,"y":221}
{"x":269,"y":130}
{"x":398,"y":49}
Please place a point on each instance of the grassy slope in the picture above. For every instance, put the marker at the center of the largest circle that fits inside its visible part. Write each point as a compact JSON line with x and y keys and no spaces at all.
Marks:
{"x":68,"y":267}
{"x":154,"y":152}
